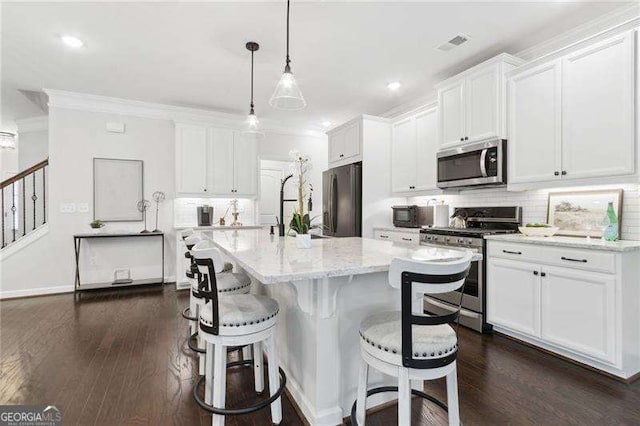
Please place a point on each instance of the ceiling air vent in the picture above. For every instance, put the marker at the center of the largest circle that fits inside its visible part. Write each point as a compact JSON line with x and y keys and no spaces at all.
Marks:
{"x":454,"y":42}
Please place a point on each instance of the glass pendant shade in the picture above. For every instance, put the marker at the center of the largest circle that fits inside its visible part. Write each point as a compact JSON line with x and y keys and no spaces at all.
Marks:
{"x":7,"y":140}
{"x":252,"y":127}
{"x":287,"y":95}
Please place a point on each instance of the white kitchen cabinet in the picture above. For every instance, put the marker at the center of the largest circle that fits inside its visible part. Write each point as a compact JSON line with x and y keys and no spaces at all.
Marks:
{"x":514,"y":294}
{"x":413,"y":152}
{"x":598,"y":109}
{"x":472,"y":104}
{"x":412,"y":238}
{"x":215,"y":162}
{"x":572,"y":118}
{"x":579,"y":303}
{"x":578,"y":311}
{"x":535,"y":149}
{"x":191,"y":159}
{"x":344,"y":142}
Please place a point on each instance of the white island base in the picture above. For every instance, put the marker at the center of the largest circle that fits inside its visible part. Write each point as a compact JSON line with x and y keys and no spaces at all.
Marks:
{"x":324,"y":293}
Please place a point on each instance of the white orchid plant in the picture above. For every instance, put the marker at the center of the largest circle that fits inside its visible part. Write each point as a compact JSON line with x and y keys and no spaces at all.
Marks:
{"x":299,"y":167}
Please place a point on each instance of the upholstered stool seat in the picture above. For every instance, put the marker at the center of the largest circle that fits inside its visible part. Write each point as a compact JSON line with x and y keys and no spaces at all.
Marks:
{"x":246,"y":312}
{"x":383,"y":334}
{"x":229,"y":283}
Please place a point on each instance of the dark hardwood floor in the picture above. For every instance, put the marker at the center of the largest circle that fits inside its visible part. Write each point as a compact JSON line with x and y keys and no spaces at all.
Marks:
{"x":119,"y":357}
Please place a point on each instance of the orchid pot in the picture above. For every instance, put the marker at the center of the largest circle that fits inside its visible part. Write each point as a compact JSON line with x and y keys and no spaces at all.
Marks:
{"x":303,"y":241}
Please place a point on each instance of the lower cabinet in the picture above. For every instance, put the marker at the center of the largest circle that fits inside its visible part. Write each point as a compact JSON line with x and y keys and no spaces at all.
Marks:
{"x":397,"y":236}
{"x":567,"y":307}
{"x":515,"y":295}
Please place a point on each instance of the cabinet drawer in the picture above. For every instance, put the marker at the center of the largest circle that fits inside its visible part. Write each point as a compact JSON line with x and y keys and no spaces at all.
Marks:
{"x":398,"y":237}
{"x":383,"y":235}
{"x":588,"y":260}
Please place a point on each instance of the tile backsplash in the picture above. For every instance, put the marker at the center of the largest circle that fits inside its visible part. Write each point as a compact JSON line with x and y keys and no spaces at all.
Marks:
{"x":534,"y":203}
{"x":185,"y":210}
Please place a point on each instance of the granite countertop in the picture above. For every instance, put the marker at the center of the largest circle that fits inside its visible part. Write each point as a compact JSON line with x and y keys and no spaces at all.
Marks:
{"x":573,"y":242}
{"x":397,"y":229}
{"x":272,"y":259}
{"x":218,"y":227}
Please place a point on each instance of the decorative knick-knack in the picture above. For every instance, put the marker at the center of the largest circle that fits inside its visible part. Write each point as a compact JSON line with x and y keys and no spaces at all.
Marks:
{"x":158,"y":197}
{"x":611,"y":230}
{"x":143,"y":206}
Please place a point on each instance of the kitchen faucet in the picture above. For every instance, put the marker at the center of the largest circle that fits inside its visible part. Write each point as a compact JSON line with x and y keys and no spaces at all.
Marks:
{"x":282,"y":201}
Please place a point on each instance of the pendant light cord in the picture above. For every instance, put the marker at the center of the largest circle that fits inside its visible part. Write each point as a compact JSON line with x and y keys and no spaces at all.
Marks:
{"x":252,"y":82}
{"x":287,"y":68}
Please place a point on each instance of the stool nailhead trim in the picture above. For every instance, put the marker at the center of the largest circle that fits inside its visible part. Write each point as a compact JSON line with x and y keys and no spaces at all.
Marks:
{"x":210,"y":324}
{"x":416,"y":354}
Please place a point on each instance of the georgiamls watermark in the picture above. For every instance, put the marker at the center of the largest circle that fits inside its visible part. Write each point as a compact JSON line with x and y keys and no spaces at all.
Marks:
{"x":30,"y":415}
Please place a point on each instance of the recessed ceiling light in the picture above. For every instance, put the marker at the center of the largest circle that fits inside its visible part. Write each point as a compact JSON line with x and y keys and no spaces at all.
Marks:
{"x":394,"y":85}
{"x":72,"y":41}
{"x":326,"y":123}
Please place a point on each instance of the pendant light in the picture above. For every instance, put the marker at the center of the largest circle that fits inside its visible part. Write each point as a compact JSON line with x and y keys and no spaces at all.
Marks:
{"x":287,"y":95}
{"x":251,"y":124}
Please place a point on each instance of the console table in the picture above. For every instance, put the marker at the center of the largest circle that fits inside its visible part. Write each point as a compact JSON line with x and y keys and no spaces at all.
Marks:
{"x":77,"y":240}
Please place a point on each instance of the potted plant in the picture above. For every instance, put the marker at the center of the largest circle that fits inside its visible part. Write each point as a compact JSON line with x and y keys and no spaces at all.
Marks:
{"x":301,"y":221}
{"x":96,"y":225}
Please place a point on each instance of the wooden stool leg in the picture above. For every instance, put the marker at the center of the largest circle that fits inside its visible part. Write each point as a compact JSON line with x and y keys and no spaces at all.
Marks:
{"x":193,"y":310}
{"x":361,"y":404}
{"x":246,"y":353}
{"x":404,"y":397}
{"x":257,"y":367}
{"x":208,"y":370}
{"x":219,"y":382}
{"x":452,"y":396}
{"x":274,"y":378}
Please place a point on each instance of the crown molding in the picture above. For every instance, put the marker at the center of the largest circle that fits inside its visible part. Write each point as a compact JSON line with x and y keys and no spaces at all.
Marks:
{"x":118,"y":106}
{"x":33,"y":124}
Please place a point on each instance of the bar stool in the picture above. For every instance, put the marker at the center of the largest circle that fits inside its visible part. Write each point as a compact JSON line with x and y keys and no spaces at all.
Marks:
{"x":410,"y":345}
{"x":228,"y":321}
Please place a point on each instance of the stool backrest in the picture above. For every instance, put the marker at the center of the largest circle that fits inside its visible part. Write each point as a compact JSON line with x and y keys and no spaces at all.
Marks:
{"x":186,"y":232}
{"x":205,"y":254}
{"x":192,"y":240}
{"x":432,"y":277}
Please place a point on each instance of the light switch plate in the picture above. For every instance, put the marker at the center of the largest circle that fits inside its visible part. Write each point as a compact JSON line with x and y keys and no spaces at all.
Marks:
{"x":83,"y":207}
{"x":67,"y":207}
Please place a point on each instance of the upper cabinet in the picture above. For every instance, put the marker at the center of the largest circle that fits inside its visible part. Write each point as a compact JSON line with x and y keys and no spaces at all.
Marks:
{"x":345,"y":143}
{"x":413,"y":152}
{"x":472,"y":104}
{"x":215,"y":161}
{"x":573,"y":118}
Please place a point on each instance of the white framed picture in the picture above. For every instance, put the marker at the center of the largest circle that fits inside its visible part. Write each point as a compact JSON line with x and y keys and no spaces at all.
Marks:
{"x":582,"y":213}
{"x":117,"y":188}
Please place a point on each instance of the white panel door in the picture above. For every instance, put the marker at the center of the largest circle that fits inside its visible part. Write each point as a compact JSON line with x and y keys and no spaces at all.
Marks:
{"x":535,"y":127}
{"x":191,"y":164}
{"x":598,"y":109}
{"x":245,"y":165}
{"x":451,"y":114}
{"x":221,"y":162}
{"x":351,"y":147}
{"x":482,"y":106}
{"x":269,"y":196}
{"x":578,"y":311}
{"x":513,"y":295}
{"x":403,"y":155}
{"x":336,"y":145}
{"x":426,"y":148}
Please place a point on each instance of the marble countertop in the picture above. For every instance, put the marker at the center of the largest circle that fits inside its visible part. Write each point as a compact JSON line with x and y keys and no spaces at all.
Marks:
{"x":397,"y":229}
{"x":573,"y":242}
{"x":272,"y":259}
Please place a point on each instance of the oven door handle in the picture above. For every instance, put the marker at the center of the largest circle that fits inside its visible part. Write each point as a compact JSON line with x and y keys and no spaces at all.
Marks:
{"x":483,"y":162}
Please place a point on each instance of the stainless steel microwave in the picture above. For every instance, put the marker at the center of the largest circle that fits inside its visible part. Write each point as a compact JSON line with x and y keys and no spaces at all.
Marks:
{"x":475,"y":164}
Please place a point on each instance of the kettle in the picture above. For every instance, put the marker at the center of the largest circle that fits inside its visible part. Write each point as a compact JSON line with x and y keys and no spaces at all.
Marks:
{"x":459,"y":220}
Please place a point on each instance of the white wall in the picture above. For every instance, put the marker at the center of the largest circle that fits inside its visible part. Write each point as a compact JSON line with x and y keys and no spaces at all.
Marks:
{"x":76,"y":137}
{"x":33,"y":147}
{"x":8,"y":163}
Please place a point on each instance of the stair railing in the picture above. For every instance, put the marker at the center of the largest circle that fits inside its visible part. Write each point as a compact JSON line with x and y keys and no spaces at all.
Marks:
{"x":23,"y":200}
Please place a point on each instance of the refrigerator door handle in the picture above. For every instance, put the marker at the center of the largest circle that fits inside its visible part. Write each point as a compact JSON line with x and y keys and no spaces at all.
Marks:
{"x":334,"y":203}
{"x":329,"y":218}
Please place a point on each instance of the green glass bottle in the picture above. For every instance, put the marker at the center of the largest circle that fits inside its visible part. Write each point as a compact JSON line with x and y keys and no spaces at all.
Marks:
{"x":611,"y":230}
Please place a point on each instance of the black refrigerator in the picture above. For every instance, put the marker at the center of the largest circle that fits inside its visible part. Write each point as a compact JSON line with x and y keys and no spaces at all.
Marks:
{"x":342,"y":201}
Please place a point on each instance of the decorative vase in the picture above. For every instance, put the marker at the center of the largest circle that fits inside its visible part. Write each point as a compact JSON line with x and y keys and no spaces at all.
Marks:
{"x":303,"y":241}
{"x":611,"y":230}
{"x":96,"y":230}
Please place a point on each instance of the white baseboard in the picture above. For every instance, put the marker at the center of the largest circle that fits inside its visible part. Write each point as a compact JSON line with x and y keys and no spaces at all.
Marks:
{"x":36,"y":292}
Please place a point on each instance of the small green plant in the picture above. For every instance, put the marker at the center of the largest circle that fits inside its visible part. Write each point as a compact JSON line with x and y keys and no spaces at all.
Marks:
{"x":96,"y":224}
{"x":537,"y":225}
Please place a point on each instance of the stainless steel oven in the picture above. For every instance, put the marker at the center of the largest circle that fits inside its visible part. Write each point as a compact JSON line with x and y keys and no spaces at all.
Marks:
{"x":476,"y":164}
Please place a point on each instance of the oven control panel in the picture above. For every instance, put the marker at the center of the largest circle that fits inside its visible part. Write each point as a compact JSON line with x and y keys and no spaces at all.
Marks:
{"x":450,"y":240}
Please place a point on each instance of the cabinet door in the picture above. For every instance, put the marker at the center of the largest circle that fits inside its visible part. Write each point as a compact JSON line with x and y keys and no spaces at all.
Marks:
{"x":426,"y":148}
{"x":482,"y":107}
{"x":578,"y":311}
{"x":513,"y":295}
{"x":336,"y":145}
{"x":451,"y":113}
{"x":245,"y":165}
{"x":598,"y":109}
{"x":535,"y":128}
{"x":191,"y":161}
{"x":403,"y":155}
{"x":221,"y":161}
{"x":351,"y":146}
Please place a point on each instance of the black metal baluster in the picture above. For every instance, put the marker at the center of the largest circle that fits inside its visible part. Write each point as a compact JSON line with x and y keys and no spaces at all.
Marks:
{"x":2,"y":196}
{"x":24,"y":206}
{"x":44,"y":196}
{"x":34,"y":197}
{"x":13,"y":210}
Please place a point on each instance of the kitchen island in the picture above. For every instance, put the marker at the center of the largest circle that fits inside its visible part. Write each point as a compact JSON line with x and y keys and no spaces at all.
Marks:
{"x":323,"y":292}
